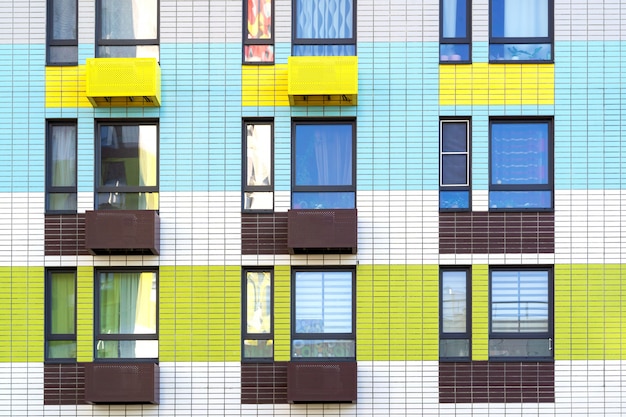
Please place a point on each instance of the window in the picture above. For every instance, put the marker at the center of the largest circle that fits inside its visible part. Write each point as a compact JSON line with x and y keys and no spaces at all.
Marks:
{"x":61,"y":33}
{"x":258,"y":32}
{"x":127,"y":28}
{"x":127,"y":165}
{"x":324,"y":27}
{"x":258,"y":326}
{"x":521,"y":313}
{"x":60,"y":315}
{"x":61,"y":167}
{"x":521,"y":30}
{"x":126,"y":314}
{"x":258,"y":184}
{"x":323,"y":170}
{"x":323,"y":319}
{"x":454,"y":165}
{"x":521,"y":165}
{"x":455,"y":30}
{"x":454,"y":313}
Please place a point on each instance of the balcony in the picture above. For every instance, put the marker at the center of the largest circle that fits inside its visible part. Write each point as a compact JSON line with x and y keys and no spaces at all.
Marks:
{"x":322,"y":231}
{"x":323,"y":80}
{"x":328,"y":382}
{"x":126,"y":383}
{"x":123,"y":82}
{"x":122,"y":232}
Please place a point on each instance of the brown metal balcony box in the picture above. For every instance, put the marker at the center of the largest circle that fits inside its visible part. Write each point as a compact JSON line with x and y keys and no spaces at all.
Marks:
{"x":322,"y":231}
{"x":328,"y":382}
{"x":122,"y":232}
{"x":109,"y":383}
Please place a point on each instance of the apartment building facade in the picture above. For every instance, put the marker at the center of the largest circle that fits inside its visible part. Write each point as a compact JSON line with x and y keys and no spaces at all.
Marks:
{"x":289,"y":207}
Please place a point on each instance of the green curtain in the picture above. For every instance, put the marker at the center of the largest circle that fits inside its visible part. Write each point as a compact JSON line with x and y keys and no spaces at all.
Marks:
{"x":62,"y":311}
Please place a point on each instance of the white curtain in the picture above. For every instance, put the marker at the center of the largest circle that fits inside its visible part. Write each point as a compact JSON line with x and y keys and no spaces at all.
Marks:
{"x":525,"y":18}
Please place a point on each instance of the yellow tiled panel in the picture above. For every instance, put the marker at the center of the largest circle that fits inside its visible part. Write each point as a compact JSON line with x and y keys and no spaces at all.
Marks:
{"x":264,"y":85}
{"x":84,"y":314}
{"x":65,"y":87}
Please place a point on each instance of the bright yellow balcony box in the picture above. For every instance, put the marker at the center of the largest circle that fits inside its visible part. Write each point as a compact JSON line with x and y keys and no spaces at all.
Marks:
{"x":323,"y":80}
{"x":122,"y":82}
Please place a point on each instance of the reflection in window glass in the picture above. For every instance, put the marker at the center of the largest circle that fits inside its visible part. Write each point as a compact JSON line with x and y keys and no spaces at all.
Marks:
{"x":128,"y":29}
{"x":454,"y":165}
{"x":62,"y":32}
{"x":258,"y":340}
{"x":454,"y":314}
{"x":323,"y":27}
{"x":61,"y":315}
{"x":258,"y":32}
{"x":258,"y":175}
{"x":454,"y":33}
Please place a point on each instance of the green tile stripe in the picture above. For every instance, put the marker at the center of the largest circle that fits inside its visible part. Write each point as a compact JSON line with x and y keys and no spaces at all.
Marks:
{"x":21,"y":314}
{"x":84,"y":313}
{"x":282,"y":313}
{"x":480,"y":312}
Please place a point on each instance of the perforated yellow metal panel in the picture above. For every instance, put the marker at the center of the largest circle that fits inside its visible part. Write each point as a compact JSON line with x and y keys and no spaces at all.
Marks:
{"x":323,"y":80}
{"x":112,"y":82}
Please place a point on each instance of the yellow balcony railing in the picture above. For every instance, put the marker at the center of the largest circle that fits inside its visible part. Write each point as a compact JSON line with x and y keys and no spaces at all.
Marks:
{"x":323,"y":80}
{"x":122,"y":82}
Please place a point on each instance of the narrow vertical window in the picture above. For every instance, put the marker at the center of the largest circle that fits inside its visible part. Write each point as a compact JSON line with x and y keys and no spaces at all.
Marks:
{"x":61,"y":32}
{"x":61,"y":167}
{"x":60,"y":315}
{"x":455,"y":31}
{"x":258,"y":174}
{"x":127,"y":28}
{"x":454,"y":314}
{"x":454,"y":165}
{"x":258,"y":31}
{"x":323,"y":27}
{"x":258,"y":326}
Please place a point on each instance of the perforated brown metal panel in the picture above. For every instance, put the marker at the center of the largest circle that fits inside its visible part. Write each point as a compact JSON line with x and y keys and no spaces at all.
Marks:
{"x":328,"y":382}
{"x":122,"y":383}
{"x":122,"y":232}
{"x":322,"y":231}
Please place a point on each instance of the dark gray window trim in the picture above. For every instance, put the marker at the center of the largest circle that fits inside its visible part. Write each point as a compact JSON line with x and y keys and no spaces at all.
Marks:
{"x":249,"y":42}
{"x":322,"y":41}
{"x":468,"y":187}
{"x":467,"y":40}
{"x":468,"y":325}
{"x":58,"y":42}
{"x":244,"y":314}
{"x":244,"y":172}
{"x":49,"y":187}
{"x":48,"y":314}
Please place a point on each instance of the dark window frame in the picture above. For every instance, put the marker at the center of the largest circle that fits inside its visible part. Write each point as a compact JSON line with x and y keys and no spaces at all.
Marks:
{"x":295,"y":41}
{"x":51,"y":43}
{"x":254,"y":41}
{"x":101,"y":42}
{"x":50,"y":189}
{"x":121,"y":336}
{"x":320,"y":336}
{"x":466,"y":40}
{"x":468,"y":187}
{"x":244,"y":314}
{"x":323,"y":188}
{"x":98,"y":158}
{"x":523,"y":187}
{"x":549,"y":334}
{"x":468,"y":316}
{"x":49,"y":336}
{"x":256,"y":188}
{"x":494,"y":40}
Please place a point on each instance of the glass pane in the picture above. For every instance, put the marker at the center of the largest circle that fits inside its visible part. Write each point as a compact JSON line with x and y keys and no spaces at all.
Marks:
{"x":519,"y":19}
{"x":520,"y":199}
{"x":127,"y":302}
{"x":521,"y":52}
{"x":523,"y":348}
{"x":454,"y":52}
{"x":63,"y":55}
{"x":259,"y":201}
{"x":453,"y":137}
{"x":129,"y":19}
{"x":259,"y":302}
{"x":454,"y":199}
{"x":61,"y":349}
{"x":454,"y":301}
{"x":454,"y":348}
{"x":454,"y":169}
{"x":259,"y":14}
{"x":139,"y":51}
{"x":63,"y":156}
{"x":127,"y":349}
{"x":258,"y":349}
{"x":519,"y":153}
{"x":324,"y":19}
{"x":323,"y":348}
{"x":259,"y":53}
{"x":64,"y":19}
{"x":129,"y":156}
{"x":454,"y":19}
{"x":323,"y":302}
{"x":323,"y":200}
{"x":323,"y":154}
{"x":127,"y":201}
{"x":259,"y":154}
{"x":62,"y":201}
{"x":324,"y":50}
{"x":62,"y":302}
{"x":519,"y":301}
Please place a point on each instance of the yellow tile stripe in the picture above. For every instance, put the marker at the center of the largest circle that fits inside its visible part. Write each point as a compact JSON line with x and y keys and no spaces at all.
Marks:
{"x":84,"y":313}
{"x":65,"y":87}
{"x":264,"y":85}
{"x":496,"y":84}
